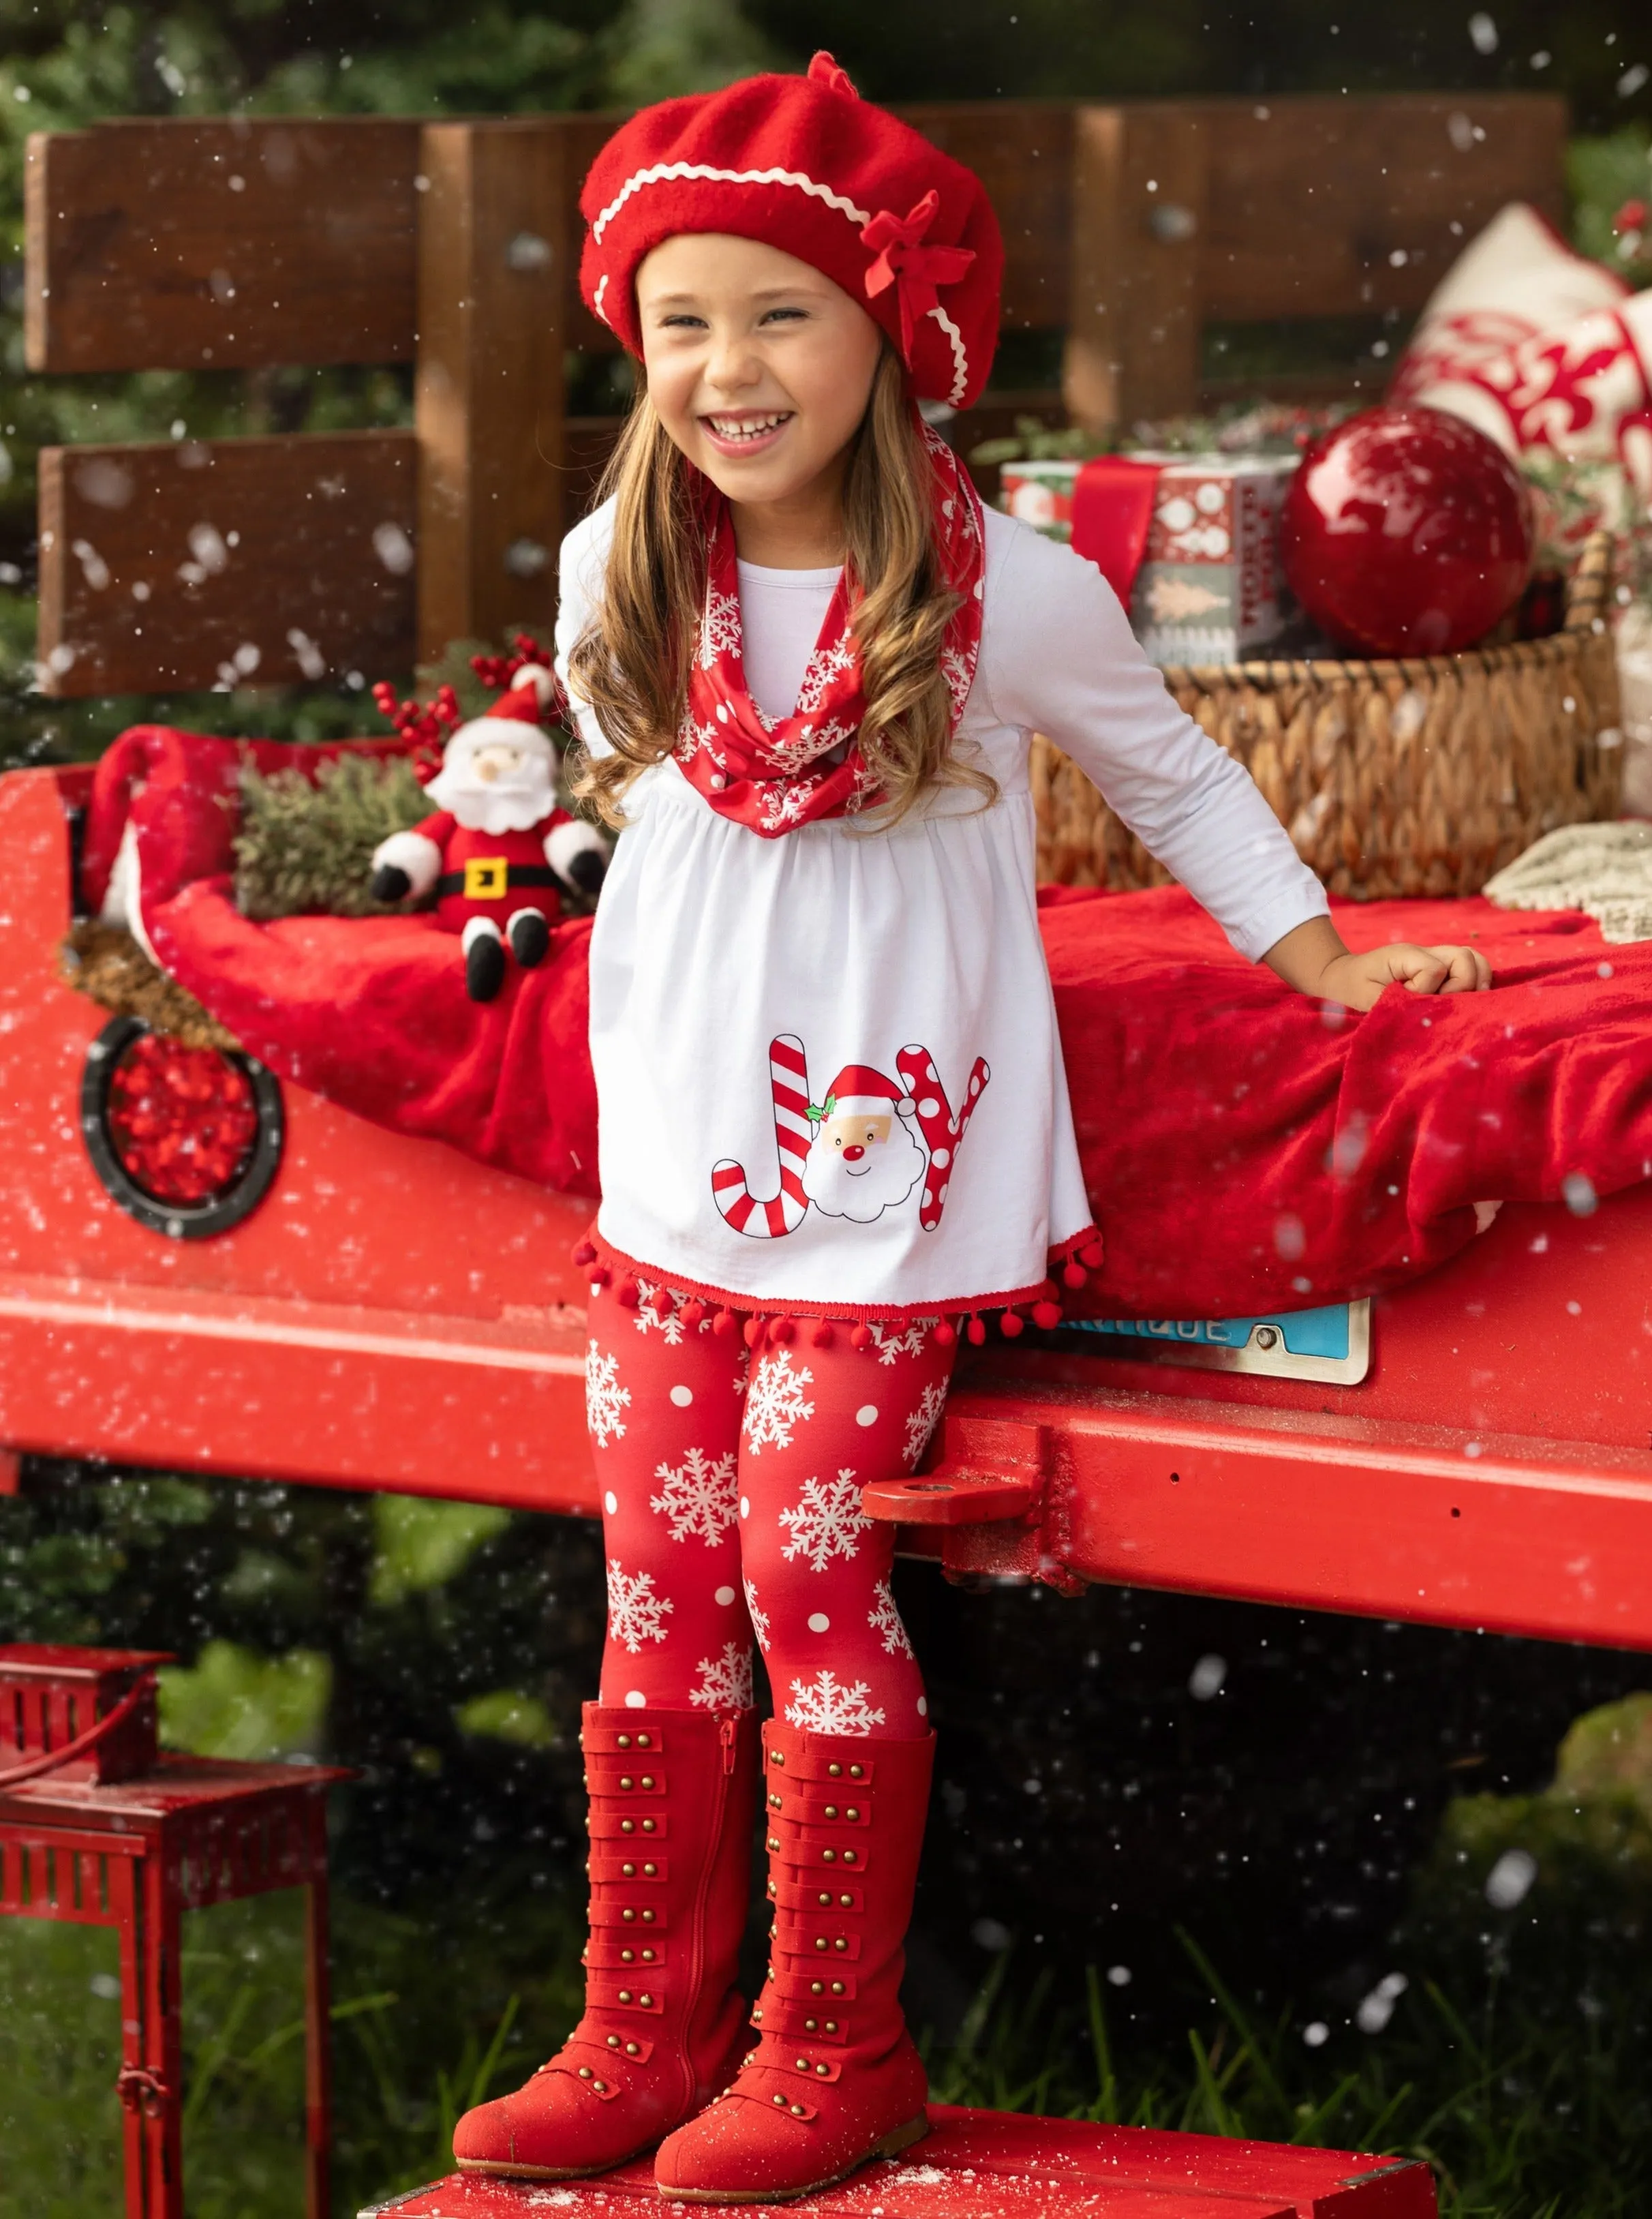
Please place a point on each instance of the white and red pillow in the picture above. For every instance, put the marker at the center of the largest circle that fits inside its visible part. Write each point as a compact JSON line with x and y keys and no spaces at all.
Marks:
{"x":1540,"y":348}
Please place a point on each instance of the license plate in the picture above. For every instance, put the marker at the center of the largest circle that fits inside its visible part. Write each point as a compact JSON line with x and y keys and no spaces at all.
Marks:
{"x":1332,"y":1344}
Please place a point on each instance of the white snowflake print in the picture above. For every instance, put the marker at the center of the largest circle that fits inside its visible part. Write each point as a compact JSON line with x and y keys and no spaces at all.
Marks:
{"x":957,"y":673}
{"x":698,"y":1496}
{"x":825,"y":664}
{"x":827,"y":1522}
{"x":636,"y":1613}
{"x":604,"y":1398}
{"x":694,"y":738}
{"x":724,"y":1681}
{"x":759,"y":1618}
{"x":775,"y":1402}
{"x":884,"y":1619}
{"x":908,"y":1340}
{"x":719,"y":627}
{"x":670,"y":1327}
{"x":826,"y":1705}
{"x":786,"y":805}
{"x":921,"y":1422}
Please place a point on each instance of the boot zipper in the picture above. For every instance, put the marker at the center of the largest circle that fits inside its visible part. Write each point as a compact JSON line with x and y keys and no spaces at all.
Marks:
{"x":728,"y":1733}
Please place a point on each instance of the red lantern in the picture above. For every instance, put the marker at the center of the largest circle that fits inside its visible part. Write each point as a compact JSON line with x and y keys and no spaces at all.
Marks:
{"x":1406,"y":532}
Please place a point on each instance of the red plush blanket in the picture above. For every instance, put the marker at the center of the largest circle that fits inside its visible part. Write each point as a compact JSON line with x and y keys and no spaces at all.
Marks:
{"x":1246,"y":1148}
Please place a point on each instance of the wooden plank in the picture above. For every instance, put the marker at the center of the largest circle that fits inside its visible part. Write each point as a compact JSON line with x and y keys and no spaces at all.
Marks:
{"x":1325,"y":206}
{"x":1022,"y":152}
{"x":181,"y":565}
{"x":1138,"y":196}
{"x":494,"y":247}
{"x":185,"y":243}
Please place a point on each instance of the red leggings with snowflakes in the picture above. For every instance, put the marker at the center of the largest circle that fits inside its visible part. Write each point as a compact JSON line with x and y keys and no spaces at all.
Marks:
{"x":731,"y":1506}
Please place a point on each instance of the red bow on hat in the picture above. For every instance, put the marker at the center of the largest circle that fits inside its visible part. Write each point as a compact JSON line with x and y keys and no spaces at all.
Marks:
{"x":912,"y":268}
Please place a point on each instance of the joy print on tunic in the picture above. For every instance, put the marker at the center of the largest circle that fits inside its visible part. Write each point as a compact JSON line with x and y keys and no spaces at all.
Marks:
{"x":869,"y":1146}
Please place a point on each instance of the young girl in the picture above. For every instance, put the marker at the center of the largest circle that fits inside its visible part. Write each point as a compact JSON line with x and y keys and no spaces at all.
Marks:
{"x":834,"y":1126}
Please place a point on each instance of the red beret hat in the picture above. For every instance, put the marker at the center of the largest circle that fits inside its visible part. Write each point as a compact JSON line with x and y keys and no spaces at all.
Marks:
{"x":804,"y":164}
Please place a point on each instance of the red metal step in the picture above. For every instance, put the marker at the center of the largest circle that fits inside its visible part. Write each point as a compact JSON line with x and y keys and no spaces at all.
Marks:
{"x":997,"y":2164}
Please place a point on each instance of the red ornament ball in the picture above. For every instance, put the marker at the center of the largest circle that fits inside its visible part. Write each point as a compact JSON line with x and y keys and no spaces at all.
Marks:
{"x":1406,"y":532}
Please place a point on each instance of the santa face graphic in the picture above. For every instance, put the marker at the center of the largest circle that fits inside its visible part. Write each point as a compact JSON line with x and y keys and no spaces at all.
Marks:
{"x":497,"y":775}
{"x":864,"y":1158}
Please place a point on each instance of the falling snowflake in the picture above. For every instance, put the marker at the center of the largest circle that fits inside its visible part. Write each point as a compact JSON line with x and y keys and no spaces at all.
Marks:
{"x":719,"y":627}
{"x":921,"y":1422}
{"x":759,"y":1618}
{"x":724,"y":1681}
{"x":825,"y":1705}
{"x":699,"y":1496}
{"x":827,"y":1522}
{"x":775,"y":1402}
{"x":908,"y":1340}
{"x":884,"y":1619}
{"x":634,"y":1612}
{"x":604,"y":1398}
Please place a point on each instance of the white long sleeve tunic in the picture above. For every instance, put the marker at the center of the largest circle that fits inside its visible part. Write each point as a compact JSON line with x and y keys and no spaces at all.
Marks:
{"x":711,"y":940}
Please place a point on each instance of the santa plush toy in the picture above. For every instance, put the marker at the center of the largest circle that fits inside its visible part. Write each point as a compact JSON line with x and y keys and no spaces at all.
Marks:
{"x":500,"y":848}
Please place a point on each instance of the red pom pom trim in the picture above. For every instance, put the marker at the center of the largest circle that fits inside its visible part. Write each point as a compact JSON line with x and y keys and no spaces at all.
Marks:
{"x":1046,"y":1314}
{"x":977,"y":1331}
{"x":601,"y":1276}
{"x":630,"y":1294}
{"x":781,"y":1331}
{"x":1074,"y":1275}
{"x":723,"y":1323}
{"x":1094,"y":1255}
{"x":862,"y":1338}
{"x":691,"y":1313}
{"x":946,"y":1333}
{"x":1012,"y":1325}
{"x":823,"y":1336}
{"x":584,"y":1254}
{"x":753,"y":1331}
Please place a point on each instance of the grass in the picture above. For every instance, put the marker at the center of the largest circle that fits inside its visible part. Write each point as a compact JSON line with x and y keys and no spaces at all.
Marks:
{"x":1520,"y":2118}
{"x":1517,"y":2120}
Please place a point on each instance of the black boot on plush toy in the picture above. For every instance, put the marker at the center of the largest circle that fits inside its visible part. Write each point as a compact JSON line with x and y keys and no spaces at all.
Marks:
{"x":498,"y":852}
{"x":484,"y":960}
{"x":529,"y":937}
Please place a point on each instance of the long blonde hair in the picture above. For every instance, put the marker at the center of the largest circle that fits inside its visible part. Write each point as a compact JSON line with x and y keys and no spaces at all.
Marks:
{"x":632,"y":661}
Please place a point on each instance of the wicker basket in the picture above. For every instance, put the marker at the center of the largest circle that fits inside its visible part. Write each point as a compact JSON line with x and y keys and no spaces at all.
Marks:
{"x":1392,"y":777}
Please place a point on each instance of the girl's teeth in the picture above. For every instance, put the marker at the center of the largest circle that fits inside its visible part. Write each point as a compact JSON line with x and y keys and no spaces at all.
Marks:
{"x":726,"y":429}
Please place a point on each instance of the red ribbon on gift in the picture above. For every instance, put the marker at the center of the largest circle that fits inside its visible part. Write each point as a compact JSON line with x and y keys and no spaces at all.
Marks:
{"x":912,"y":268}
{"x":1112,"y":507}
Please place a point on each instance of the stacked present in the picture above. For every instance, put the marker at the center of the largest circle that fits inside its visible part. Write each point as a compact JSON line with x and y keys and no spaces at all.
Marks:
{"x":1205,"y":586}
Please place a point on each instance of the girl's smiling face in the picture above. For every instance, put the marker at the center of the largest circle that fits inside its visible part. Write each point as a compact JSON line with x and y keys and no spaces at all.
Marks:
{"x":758,"y":366}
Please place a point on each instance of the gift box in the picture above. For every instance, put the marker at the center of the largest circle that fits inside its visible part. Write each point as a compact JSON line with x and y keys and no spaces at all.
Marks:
{"x":1040,"y":494}
{"x":1190,"y":542}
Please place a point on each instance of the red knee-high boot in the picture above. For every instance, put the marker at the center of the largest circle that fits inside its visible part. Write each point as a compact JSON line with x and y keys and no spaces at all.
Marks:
{"x":673,"y":1797}
{"x":835,"y":2078}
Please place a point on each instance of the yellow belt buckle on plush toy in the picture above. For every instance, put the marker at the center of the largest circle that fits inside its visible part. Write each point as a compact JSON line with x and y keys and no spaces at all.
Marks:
{"x":486,"y":878}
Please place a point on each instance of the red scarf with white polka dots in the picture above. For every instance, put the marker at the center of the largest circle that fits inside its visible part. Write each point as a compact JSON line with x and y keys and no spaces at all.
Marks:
{"x":774,"y":775}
